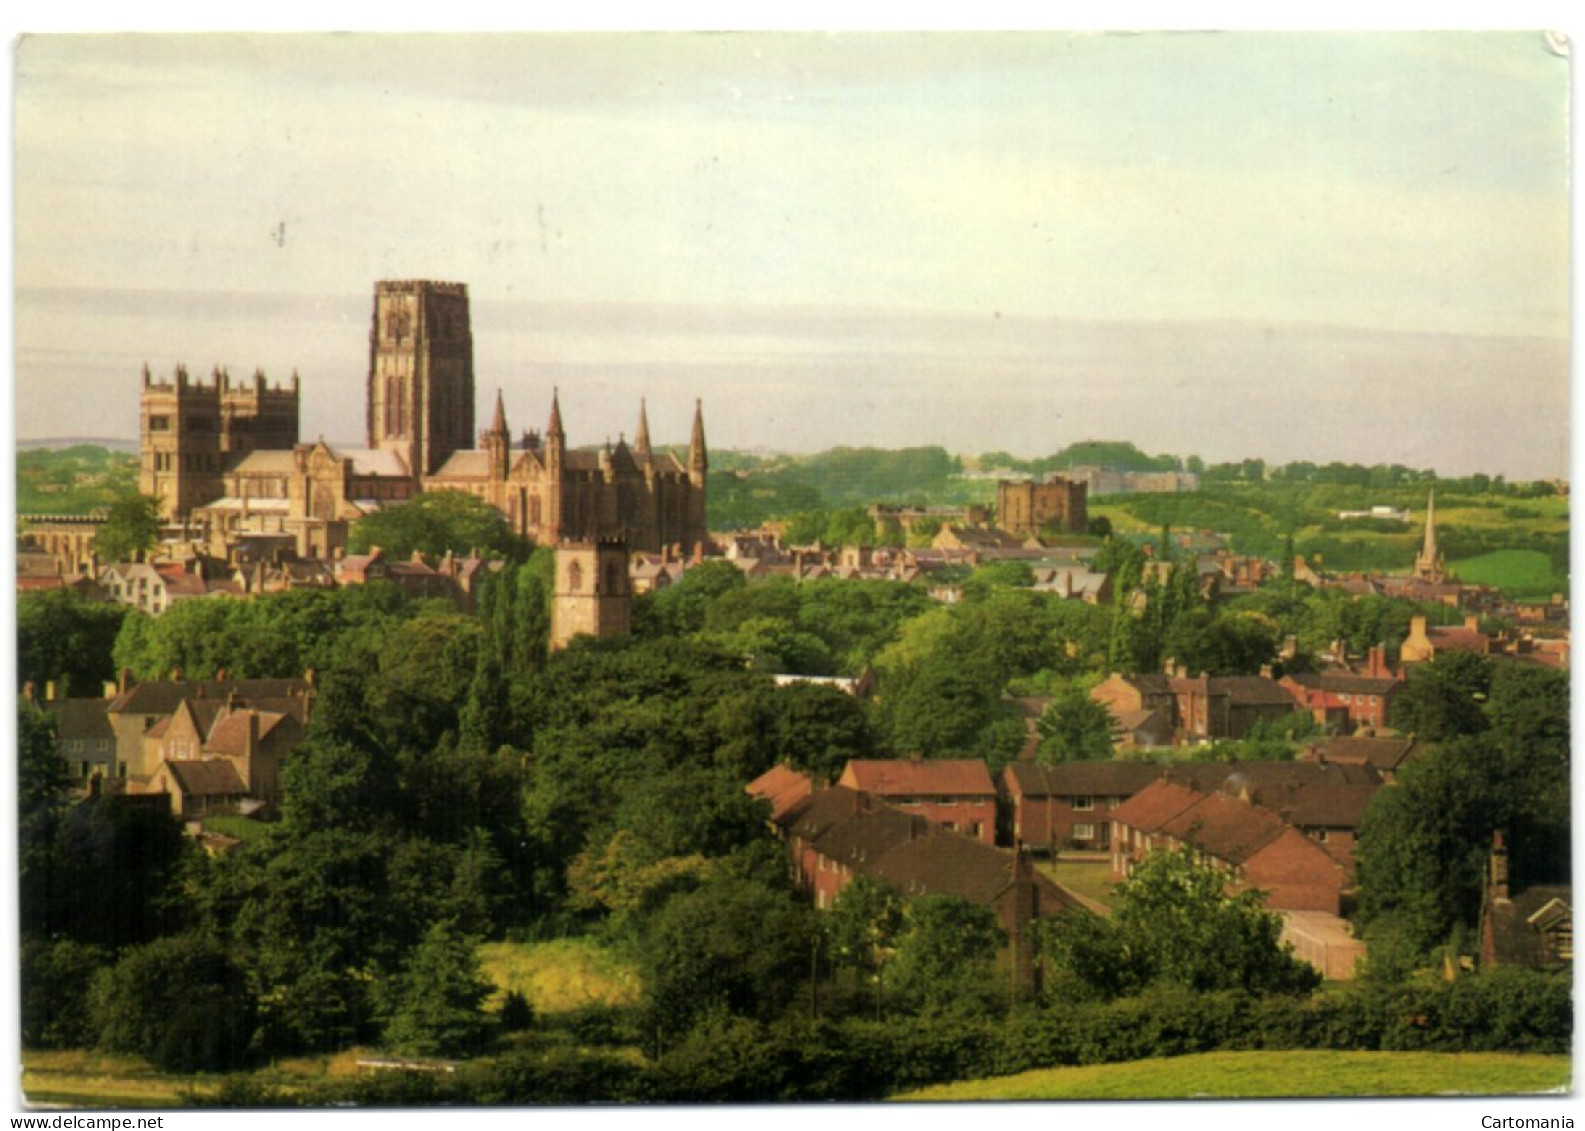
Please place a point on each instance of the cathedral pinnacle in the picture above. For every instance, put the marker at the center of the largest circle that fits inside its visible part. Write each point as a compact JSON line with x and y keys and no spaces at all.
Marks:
{"x":641,"y":436}
{"x":498,"y":425}
{"x":554,"y":429}
{"x":698,"y":458}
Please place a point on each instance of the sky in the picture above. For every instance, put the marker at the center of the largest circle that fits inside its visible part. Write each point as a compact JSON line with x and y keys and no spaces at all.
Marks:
{"x":1286,"y":245}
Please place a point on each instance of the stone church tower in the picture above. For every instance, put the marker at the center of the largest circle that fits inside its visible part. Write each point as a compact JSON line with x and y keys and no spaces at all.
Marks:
{"x":592,"y":591}
{"x":191,"y":433}
{"x":420,"y":395}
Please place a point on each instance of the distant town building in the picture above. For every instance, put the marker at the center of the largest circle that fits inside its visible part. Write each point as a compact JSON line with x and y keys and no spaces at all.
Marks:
{"x":1024,"y":509}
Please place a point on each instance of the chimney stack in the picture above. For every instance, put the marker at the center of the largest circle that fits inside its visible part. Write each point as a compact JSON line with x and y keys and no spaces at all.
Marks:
{"x":1499,"y":867}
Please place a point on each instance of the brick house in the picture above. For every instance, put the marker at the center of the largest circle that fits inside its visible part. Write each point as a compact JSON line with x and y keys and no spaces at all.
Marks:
{"x":208,"y":756}
{"x":134,"y":708}
{"x":1345,"y":701}
{"x":837,"y":833}
{"x":956,"y":794}
{"x":1423,"y":643}
{"x":1255,"y":847}
{"x":1200,"y":708}
{"x":1070,"y":805}
{"x":84,"y":737}
{"x":1385,"y":755}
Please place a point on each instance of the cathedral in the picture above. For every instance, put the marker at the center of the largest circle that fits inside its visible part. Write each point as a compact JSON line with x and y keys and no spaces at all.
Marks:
{"x":225,"y":462}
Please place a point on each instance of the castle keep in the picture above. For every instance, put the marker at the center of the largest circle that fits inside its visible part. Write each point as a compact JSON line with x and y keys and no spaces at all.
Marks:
{"x":225,"y":462}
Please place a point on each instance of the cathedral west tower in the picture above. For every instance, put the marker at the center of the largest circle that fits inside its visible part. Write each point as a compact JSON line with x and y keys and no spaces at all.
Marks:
{"x":420,"y":394}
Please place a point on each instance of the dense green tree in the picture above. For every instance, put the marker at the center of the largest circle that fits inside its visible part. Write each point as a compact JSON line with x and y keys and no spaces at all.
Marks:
{"x":130,"y":530}
{"x":818,"y":729}
{"x":1221,"y":644}
{"x":179,"y":1001}
{"x":861,"y":931}
{"x":731,"y":944}
{"x":1422,"y":851}
{"x":435,"y":523}
{"x":1422,"y":844}
{"x":1075,"y":728}
{"x":55,"y":982}
{"x":66,"y":639}
{"x":945,"y":954}
{"x":435,"y":1006}
{"x":1009,"y":574}
{"x":100,"y":871}
{"x":1444,"y":698}
{"x":1174,"y":922}
{"x":682,"y":608}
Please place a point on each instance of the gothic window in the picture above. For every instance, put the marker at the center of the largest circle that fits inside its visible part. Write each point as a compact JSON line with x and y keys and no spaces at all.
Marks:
{"x":534,"y":511}
{"x":575,"y":577}
{"x":612,"y":578}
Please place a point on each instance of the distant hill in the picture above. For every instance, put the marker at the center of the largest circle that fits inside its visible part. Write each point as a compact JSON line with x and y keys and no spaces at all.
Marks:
{"x":73,"y":478}
{"x":58,"y":443}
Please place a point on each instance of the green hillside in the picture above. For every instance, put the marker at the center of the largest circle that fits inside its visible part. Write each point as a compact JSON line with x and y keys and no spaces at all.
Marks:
{"x":73,"y":480}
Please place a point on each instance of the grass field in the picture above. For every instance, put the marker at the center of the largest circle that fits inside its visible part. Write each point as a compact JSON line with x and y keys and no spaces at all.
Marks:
{"x":93,"y":1079}
{"x":243,"y":828}
{"x":1274,"y":1075}
{"x":87,"y":1079}
{"x":1091,"y":880}
{"x":560,"y":975}
{"x":1525,"y":573}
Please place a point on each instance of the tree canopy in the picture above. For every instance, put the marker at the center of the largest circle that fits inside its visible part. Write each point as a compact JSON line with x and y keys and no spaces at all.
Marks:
{"x":435,"y":523}
{"x":1173,"y":922}
{"x":131,"y":529}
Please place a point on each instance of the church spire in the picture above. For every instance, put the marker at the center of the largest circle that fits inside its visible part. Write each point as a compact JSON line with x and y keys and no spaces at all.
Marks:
{"x":554,"y":430}
{"x":498,"y":425}
{"x":497,"y":442}
{"x":641,"y":436}
{"x":1428,"y":564}
{"x":698,"y":458}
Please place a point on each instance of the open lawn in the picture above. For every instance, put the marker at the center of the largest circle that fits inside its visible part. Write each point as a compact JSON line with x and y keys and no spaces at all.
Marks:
{"x":1092,"y":880}
{"x":559,"y":975}
{"x":89,"y":1079}
{"x":1523,"y":573}
{"x":1274,"y":1075}
{"x":74,"y":1078}
{"x":243,"y":828}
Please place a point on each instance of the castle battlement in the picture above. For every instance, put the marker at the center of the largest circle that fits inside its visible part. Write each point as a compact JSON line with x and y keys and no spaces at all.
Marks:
{"x":417,"y":286}
{"x":219,"y":383}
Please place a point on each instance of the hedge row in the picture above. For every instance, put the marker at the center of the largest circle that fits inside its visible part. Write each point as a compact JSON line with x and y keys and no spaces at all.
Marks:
{"x":736,"y":1060}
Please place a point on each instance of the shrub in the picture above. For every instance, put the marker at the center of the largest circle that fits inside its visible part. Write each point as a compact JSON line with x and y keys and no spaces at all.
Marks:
{"x":180,"y":1002}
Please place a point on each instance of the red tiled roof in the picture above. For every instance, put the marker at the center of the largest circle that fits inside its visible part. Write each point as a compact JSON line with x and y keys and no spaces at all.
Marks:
{"x":210,"y":777}
{"x":229,"y":735}
{"x":921,"y":777}
{"x":81,"y":719}
{"x":1315,"y":806}
{"x":1082,"y":779}
{"x":1155,"y":805}
{"x":783,"y":787}
{"x":160,"y":697}
{"x":1459,"y":639}
{"x":1383,"y":753}
{"x":1225,"y":828}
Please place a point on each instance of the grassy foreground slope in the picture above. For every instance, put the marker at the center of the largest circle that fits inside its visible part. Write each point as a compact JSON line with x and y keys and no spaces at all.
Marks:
{"x":1274,"y":1075}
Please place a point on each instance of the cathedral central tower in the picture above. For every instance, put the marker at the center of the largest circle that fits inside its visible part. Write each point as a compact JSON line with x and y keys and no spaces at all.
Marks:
{"x":420,"y":395}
